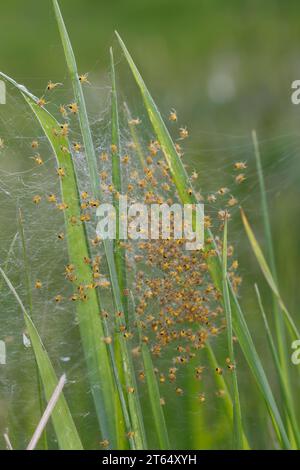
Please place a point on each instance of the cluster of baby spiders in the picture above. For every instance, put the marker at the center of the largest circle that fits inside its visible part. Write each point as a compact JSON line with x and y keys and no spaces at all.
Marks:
{"x":178,"y":308}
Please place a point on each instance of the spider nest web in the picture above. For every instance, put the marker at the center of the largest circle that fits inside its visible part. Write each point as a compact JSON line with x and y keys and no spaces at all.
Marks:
{"x":169,"y":288}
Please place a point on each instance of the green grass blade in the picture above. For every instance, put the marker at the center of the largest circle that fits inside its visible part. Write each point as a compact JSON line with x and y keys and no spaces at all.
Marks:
{"x":154,"y":397}
{"x":285,"y":391}
{"x":166,"y":142}
{"x":135,"y":137}
{"x":136,"y":414}
{"x":264,"y":205}
{"x":30,"y":305}
{"x":183,"y":185}
{"x":8,"y":257}
{"x":237,"y":416}
{"x":218,"y":378}
{"x":43,"y":444}
{"x":268,"y":275}
{"x":63,"y":423}
{"x":242,"y":332}
{"x":26,"y":262}
{"x":152,"y":387}
{"x":278,"y":317}
{"x":88,"y":145}
{"x":221,"y":384}
{"x":40,"y":429}
{"x":115,"y":130}
{"x":120,"y":254}
{"x":79,"y":98}
{"x":90,"y":325}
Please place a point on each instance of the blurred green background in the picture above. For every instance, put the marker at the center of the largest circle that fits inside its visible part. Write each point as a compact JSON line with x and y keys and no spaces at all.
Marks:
{"x":186,"y":49}
{"x":226,"y":67}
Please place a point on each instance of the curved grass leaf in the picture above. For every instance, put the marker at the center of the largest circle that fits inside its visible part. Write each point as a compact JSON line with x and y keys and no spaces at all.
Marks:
{"x":166,"y":142}
{"x":285,"y":391}
{"x":279,"y":321}
{"x":268,"y":275}
{"x":65,"y":430}
{"x":184,"y":187}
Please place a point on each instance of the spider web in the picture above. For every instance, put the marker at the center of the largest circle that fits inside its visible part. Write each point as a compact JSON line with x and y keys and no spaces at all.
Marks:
{"x":211,"y":155}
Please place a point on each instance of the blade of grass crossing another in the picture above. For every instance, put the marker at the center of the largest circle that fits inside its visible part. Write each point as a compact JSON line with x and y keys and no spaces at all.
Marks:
{"x":218,"y":378}
{"x":119,"y":252}
{"x":278,"y":318}
{"x":47,"y":414}
{"x":222,"y":386}
{"x":155,"y":399}
{"x":186,"y":194}
{"x":88,"y":145}
{"x":136,"y":416}
{"x":121,"y":299}
{"x":268,"y":276}
{"x":245,"y":340}
{"x":237,"y":417}
{"x":285,"y":391}
{"x":280,"y":333}
{"x":117,"y":183}
{"x":65,"y":430}
{"x":30,"y":306}
{"x":152,"y":387}
{"x":133,"y":400}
